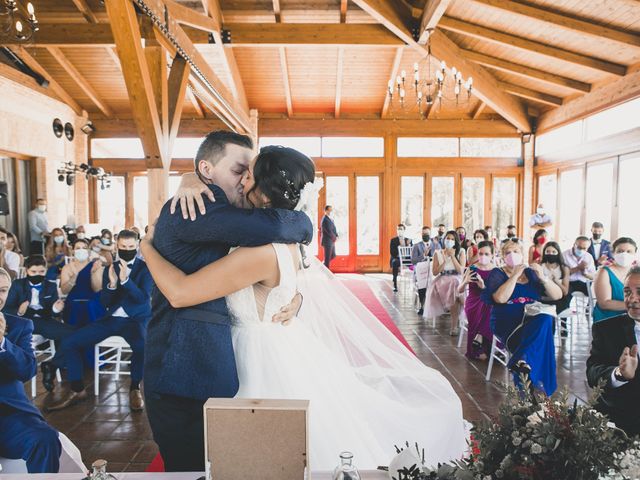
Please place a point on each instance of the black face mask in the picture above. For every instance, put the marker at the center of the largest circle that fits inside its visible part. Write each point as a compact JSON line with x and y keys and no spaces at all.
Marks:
{"x":551,"y":258}
{"x":35,"y":279}
{"x":596,"y":236}
{"x":127,"y":255}
{"x":425,"y":238}
{"x":511,"y":235}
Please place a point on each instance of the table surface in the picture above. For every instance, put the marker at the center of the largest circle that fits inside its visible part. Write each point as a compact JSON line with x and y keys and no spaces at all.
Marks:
{"x":366,"y":475}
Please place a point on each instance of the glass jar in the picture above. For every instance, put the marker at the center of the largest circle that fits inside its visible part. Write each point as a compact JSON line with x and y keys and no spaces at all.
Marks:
{"x":99,"y":471}
{"x":346,"y":470}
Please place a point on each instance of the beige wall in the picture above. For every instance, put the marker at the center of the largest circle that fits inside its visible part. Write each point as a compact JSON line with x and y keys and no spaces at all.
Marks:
{"x":26,"y":117}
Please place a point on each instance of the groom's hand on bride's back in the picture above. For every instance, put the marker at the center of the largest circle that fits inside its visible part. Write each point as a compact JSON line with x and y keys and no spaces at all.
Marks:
{"x":288,"y":312}
{"x":189,"y":194}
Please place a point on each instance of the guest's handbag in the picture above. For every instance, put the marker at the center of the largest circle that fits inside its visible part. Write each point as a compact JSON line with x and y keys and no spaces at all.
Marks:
{"x":531,"y":311}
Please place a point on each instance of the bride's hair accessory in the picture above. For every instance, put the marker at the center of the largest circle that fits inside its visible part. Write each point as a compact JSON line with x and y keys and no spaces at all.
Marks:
{"x":309,"y":195}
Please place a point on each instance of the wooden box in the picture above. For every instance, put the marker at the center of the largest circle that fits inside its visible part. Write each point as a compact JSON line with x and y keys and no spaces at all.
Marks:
{"x":256,"y":439}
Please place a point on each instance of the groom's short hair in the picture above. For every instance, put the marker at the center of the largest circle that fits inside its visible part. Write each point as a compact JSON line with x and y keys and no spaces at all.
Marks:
{"x":212,"y":147}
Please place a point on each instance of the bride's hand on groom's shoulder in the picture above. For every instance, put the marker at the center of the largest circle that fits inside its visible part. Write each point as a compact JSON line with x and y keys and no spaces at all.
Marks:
{"x":288,"y":312}
{"x":189,"y":194}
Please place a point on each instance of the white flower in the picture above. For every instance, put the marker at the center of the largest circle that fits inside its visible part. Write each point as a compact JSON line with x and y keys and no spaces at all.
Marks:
{"x":536,"y":449}
{"x":517,"y":441}
{"x":309,"y":195}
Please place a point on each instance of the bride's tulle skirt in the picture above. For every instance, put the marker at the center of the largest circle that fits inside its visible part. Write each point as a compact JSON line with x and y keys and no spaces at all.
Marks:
{"x":357,"y":409}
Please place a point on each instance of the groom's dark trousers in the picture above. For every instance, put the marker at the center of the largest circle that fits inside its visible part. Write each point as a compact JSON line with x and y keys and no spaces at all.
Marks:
{"x":189,"y":355}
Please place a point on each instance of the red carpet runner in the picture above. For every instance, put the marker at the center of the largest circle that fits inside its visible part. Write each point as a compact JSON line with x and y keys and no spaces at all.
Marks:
{"x":360,"y":288}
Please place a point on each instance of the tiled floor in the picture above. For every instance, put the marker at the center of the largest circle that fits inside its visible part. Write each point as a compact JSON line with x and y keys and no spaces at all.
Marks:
{"x":104,"y":427}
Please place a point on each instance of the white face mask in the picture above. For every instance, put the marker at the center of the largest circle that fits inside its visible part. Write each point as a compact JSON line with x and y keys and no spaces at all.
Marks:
{"x":400,"y":233}
{"x":540,"y":211}
{"x":59,"y":239}
{"x":448,"y":243}
{"x":42,"y":208}
{"x":80,"y":236}
{"x":81,"y":255}
{"x":624,"y":259}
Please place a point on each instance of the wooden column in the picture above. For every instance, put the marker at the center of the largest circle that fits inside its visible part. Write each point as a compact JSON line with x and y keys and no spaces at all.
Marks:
{"x":390,"y":198}
{"x":158,"y":179}
{"x":253,"y":119}
{"x":528,"y":183}
{"x":129,"y":217}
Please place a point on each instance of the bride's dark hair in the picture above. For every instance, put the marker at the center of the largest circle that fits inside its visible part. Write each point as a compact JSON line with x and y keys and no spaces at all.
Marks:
{"x":281,"y":173}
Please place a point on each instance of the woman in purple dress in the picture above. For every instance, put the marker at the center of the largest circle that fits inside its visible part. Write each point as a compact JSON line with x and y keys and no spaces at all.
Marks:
{"x":479,"y":335}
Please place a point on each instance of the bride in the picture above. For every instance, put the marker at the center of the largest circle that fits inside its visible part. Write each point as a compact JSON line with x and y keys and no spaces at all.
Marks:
{"x":367,"y":391}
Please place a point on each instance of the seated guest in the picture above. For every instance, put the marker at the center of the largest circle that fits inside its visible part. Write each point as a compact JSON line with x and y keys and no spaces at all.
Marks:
{"x":442,"y":295}
{"x":508,"y":290}
{"x":36,"y":299}
{"x":512,"y":231}
{"x":81,"y":281}
{"x":422,"y":252}
{"x":541,"y":219}
{"x":442,"y":230}
{"x":599,"y":249}
{"x":479,"y":336}
{"x":493,"y":239}
{"x":399,"y":241}
{"x":465,"y":242}
{"x":13,"y":245}
{"x":580,"y":265}
{"x":472,"y":251}
{"x":56,"y":252}
{"x":126,"y":294}
{"x":97,"y":253}
{"x":106,"y":242}
{"x":9,"y":260}
{"x":81,"y":234}
{"x":608,"y":285}
{"x":614,"y":360}
{"x":554,"y":269}
{"x":23,"y":432}
{"x":535,"y":250}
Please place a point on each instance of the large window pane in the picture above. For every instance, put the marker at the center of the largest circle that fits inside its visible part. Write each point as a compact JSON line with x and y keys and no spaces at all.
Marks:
{"x":338,"y":198}
{"x":353,"y":147}
{"x":368,"y":219}
{"x":111,"y":207}
{"x":599,"y":195}
{"x":472,"y":203}
{"x":548,"y":196}
{"x":571,"y":191}
{"x":427,"y":147}
{"x":491,"y":147}
{"x":116,"y":148}
{"x":411,"y":205}
{"x":629,"y":220}
{"x":503,"y":205}
{"x":613,"y":120}
{"x":560,"y":138}
{"x":140,"y":202}
{"x":308,"y":145}
{"x":442,"y":201}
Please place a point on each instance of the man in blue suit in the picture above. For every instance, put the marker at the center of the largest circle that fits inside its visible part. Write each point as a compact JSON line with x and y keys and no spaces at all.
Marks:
{"x":600,"y":249}
{"x":329,"y":236}
{"x":126,"y":294}
{"x":189,"y":355}
{"x":23,"y":432}
{"x":36,"y":298}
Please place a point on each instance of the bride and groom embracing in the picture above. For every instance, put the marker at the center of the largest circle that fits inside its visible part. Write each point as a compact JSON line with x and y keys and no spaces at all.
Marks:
{"x":227,"y":324}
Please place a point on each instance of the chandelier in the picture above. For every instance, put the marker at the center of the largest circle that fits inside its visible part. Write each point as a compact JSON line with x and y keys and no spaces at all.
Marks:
{"x":68,"y":170}
{"x":431,"y":87}
{"x":18,"y":22}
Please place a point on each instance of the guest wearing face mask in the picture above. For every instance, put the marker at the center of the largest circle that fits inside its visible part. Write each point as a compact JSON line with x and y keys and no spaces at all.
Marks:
{"x":535,"y":250}
{"x":508,"y":290}
{"x":479,"y":336}
{"x":554,"y":269}
{"x":512,"y":231}
{"x":581,"y":266}
{"x":81,"y":281}
{"x":442,"y":230}
{"x":399,"y":241}
{"x":609,"y":282}
{"x":422,"y":252}
{"x":97,"y":253}
{"x":465,"y":242}
{"x":79,"y":234}
{"x":541,"y":219}
{"x":106,"y":241}
{"x":56,"y":251}
{"x":472,"y":251}
{"x":599,"y":249}
{"x":38,"y":227}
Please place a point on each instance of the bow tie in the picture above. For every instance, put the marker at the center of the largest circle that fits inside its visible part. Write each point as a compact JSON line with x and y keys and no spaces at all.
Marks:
{"x":37,"y":287}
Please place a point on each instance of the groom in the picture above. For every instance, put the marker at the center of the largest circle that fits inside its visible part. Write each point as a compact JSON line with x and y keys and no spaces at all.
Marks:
{"x":189,"y":355}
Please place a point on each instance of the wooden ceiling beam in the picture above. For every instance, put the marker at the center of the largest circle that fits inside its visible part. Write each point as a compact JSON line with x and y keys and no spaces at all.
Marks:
{"x":339,"y":78}
{"x":284,"y":69}
{"x":276,"y":11}
{"x":528,"y":72}
{"x":521,"y":43}
{"x":82,"y":82}
{"x":85,"y":10}
{"x":478,"y":110}
{"x":176,"y":91}
{"x":397,"y":60}
{"x":485,"y":85}
{"x":187,"y":16}
{"x":565,"y":20}
{"x":431,"y":15}
{"x":212,"y":9}
{"x":34,"y":65}
{"x":530,"y":94}
{"x":343,"y":11}
{"x":194,"y":102}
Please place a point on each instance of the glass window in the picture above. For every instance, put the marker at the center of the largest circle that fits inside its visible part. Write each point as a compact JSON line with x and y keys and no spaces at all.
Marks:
{"x":442,"y":202}
{"x":560,"y":138}
{"x":503,"y":205}
{"x":427,"y":147}
{"x":548,"y":195}
{"x":613,"y":120}
{"x":186,"y":147}
{"x":599,"y":202}
{"x":368,"y":215}
{"x":472,"y":204}
{"x":353,"y":147}
{"x":412,"y":206}
{"x":491,"y":147}
{"x":310,"y":146}
{"x":111,"y":205}
{"x":116,"y":148}
{"x":337,"y":194}
{"x":629,"y":220}
{"x":140,"y":202}
{"x":571,"y":192}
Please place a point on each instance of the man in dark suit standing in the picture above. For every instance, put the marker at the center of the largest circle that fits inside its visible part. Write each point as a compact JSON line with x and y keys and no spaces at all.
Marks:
{"x":614,"y":360}
{"x":399,"y":241}
{"x":126,"y":294}
{"x":23,"y":432}
{"x":329,"y":236}
{"x":600,"y":249}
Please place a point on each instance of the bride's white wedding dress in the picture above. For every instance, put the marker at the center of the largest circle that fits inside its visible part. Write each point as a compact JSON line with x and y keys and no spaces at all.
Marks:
{"x":367,"y":392}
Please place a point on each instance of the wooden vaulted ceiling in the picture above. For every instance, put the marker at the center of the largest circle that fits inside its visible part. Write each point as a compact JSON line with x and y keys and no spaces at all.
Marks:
{"x":325,"y":58}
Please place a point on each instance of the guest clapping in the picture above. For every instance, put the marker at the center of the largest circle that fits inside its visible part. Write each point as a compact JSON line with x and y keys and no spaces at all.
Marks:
{"x":56,"y":252}
{"x":535,"y":250}
{"x":599,"y":249}
{"x":581,"y":266}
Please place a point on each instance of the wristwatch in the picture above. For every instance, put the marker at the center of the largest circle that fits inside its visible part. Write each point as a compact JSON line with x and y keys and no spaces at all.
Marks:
{"x":617,"y":374}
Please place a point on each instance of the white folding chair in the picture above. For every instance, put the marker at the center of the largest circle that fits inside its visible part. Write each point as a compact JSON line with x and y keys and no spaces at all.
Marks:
{"x":463,"y":324}
{"x":48,"y":353}
{"x":22,"y":273}
{"x":109,"y":352}
{"x":499,"y":354}
{"x":406,"y":274}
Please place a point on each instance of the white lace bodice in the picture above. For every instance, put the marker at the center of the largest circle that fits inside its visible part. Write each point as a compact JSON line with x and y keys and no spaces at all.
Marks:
{"x":245,"y":305}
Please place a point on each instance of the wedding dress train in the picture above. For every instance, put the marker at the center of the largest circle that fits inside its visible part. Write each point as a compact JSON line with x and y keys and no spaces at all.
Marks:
{"x":367,"y":391}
